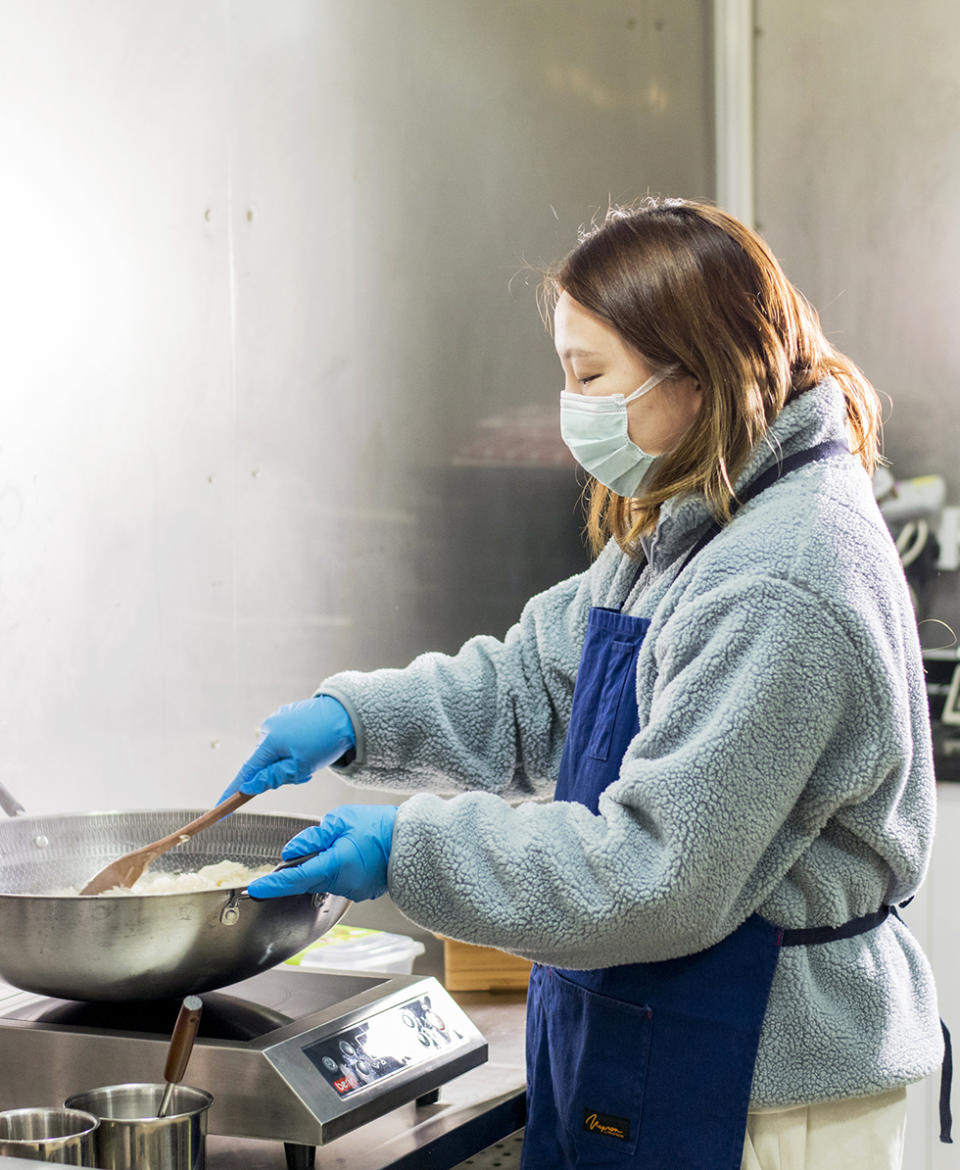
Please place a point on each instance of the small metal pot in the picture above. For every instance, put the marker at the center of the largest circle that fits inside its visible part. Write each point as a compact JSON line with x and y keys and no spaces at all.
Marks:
{"x":131,"y":1136}
{"x":66,"y":1136}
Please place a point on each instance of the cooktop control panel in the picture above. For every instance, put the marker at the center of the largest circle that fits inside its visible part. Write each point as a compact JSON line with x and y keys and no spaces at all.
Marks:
{"x":398,"y":1038}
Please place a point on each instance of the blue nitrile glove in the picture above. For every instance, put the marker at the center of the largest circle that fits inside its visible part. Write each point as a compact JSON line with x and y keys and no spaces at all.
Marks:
{"x":295,"y":741}
{"x":352,"y":846}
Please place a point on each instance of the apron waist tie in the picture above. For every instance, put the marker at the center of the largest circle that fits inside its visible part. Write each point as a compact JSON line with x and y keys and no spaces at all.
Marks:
{"x":946,"y":1083}
{"x":825,"y":934}
{"x":813,"y":935}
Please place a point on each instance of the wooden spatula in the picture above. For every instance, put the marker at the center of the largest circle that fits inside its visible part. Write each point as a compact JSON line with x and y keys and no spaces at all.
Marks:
{"x":126,"y":869}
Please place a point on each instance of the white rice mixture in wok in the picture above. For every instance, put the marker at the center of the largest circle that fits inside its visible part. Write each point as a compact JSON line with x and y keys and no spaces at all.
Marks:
{"x":219,"y":875}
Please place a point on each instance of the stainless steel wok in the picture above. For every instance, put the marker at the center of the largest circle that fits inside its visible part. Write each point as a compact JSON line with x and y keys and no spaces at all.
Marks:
{"x":153,"y":946}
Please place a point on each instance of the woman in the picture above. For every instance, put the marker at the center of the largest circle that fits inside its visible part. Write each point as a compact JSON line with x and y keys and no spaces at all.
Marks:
{"x":728,"y":711}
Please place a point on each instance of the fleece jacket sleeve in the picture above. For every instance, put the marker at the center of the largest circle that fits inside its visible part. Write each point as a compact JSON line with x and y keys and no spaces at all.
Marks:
{"x":753,"y":736}
{"x":492,"y":717}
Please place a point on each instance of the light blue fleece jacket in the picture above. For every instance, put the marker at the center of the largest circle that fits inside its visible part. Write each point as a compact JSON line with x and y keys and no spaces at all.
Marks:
{"x":782,"y":766}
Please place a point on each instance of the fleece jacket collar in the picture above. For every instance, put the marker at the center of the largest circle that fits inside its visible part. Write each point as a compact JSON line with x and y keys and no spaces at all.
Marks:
{"x":815,"y":416}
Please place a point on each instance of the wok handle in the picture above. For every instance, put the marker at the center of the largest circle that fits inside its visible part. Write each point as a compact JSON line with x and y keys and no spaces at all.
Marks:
{"x":294,"y":861}
{"x":9,"y":803}
{"x":245,"y":893}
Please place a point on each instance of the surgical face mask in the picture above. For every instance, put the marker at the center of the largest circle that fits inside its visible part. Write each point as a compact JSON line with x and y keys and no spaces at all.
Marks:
{"x":594,"y":427}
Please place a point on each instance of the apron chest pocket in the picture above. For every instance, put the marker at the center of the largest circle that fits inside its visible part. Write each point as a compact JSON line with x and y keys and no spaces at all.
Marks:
{"x":599,"y":1050}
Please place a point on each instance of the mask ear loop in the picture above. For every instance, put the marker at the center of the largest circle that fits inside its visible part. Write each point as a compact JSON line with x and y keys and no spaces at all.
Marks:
{"x":653,"y":381}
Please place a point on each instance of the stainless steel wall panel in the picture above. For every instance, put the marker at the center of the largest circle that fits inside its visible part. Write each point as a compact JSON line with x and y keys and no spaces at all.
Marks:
{"x":858,"y":178}
{"x":273,"y":295}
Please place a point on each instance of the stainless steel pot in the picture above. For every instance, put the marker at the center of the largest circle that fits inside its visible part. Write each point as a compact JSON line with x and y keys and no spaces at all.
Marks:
{"x":154,"y":946}
{"x":65,"y":1136}
{"x":132,"y":1137}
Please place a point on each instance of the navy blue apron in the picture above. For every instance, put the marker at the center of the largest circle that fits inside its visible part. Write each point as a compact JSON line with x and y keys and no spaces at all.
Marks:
{"x":647,"y":1064}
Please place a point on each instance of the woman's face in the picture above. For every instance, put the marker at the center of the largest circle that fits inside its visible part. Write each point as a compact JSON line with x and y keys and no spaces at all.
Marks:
{"x":596,"y":360}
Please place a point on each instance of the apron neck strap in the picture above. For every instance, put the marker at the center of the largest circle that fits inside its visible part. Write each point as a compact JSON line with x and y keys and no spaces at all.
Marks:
{"x":769,"y":477}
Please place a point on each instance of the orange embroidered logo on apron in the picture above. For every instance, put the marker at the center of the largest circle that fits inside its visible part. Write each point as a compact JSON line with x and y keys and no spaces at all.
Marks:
{"x":606,"y":1123}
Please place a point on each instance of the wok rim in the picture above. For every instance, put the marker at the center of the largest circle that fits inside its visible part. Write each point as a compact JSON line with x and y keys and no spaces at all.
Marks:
{"x":82,"y":899}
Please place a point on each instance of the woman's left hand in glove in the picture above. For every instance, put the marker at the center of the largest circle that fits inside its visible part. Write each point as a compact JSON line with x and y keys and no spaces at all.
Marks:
{"x":352,"y":849}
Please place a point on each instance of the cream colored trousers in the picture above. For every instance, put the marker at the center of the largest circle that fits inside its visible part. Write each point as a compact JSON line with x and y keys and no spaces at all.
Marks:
{"x":860,"y":1133}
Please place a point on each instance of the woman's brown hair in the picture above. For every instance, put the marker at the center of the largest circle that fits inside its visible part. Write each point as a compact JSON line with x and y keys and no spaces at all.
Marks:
{"x":688,"y":285}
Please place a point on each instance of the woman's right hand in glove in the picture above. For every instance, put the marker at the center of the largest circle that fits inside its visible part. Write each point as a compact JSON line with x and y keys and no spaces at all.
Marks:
{"x":294,"y":742}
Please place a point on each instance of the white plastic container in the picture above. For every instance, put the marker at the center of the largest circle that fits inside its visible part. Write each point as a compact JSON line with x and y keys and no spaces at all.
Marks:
{"x":357,"y":948}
